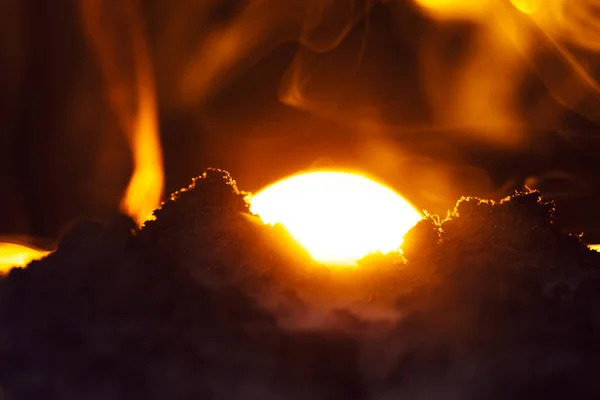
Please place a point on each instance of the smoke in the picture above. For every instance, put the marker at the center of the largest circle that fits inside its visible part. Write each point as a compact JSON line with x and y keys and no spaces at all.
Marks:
{"x":249,"y":30}
{"x":276,"y":87}
{"x":409,"y":91}
{"x":436,"y":98}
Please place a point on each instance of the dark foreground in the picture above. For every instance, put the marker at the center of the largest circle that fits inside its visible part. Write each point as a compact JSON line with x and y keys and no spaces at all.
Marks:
{"x":207,"y":303}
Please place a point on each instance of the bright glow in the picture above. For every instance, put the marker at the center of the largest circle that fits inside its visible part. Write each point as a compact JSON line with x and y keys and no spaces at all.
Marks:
{"x":595,"y":247}
{"x":455,"y":8}
{"x":17,"y":255}
{"x":338,"y":217}
{"x":526,"y":6}
{"x":145,"y":187}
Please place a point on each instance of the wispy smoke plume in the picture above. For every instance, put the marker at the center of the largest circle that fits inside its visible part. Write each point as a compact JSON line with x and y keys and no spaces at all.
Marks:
{"x":434,"y":97}
{"x":382,"y":83}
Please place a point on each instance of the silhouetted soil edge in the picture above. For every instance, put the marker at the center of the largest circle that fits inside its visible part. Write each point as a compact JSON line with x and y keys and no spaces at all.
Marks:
{"x":206,"y":302}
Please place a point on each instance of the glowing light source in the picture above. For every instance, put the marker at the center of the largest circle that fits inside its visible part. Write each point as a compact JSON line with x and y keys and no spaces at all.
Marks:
{"x":338,"y":217}
{"x":17,"y":255}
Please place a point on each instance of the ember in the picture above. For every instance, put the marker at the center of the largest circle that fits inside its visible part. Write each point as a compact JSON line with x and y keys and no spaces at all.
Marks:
{"x":338,"y":217}
{"x":16,"y":254}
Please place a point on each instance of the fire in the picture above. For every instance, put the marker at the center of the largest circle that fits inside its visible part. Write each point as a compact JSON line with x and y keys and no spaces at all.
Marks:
{"x":338,"y":217}
{"x":130,"y":89}
{"x":123,"y":56}
{"x":481,"y":95}
{"x":14,"y":254}
{"x":145,"y":187}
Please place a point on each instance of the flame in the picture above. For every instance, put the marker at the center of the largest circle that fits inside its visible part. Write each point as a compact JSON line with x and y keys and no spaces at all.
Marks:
{"x":18,"y":255}
{"x":338,"y":217}
{"x":116,"y":36}
{"x":123,"y":57}
{"x":478,"y":89}
{"x":145,"y":188}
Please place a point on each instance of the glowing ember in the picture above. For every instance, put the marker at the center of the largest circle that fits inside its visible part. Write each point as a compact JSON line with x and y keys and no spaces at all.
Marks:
{"x":338,"y":217}
{"x":17,"y":255}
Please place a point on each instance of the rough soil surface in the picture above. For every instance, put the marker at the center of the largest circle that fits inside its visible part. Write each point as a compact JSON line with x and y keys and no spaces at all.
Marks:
{"x":205,"y":302}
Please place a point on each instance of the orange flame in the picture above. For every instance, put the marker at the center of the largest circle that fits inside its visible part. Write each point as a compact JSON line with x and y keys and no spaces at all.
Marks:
{"x":18,"y":255}
{"x":145,"y":188}
{"x":481,"y":93}
{"x":116,"y":35}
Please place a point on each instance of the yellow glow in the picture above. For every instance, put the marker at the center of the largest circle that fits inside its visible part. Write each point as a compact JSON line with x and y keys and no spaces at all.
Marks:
{"x":145,"y":187}
{"x":455,"y":8}
{"x":594,"y":247}
{"x":526,"y":6}
{"x":17,"y":255}
{"x":338,"y":217}
{"x":144,"y":192}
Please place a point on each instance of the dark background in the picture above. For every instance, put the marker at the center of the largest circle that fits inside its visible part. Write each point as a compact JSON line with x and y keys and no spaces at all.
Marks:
{"x":365,"y":103}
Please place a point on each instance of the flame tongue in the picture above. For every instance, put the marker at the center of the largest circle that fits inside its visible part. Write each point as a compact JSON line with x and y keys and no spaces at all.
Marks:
{"x":14,"y":254}
{"x":144,"y":191}
{"x":124,"y":60}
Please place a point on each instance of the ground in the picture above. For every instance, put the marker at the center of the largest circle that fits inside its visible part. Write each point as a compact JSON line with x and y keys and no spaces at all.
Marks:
{"x":206,"y":302}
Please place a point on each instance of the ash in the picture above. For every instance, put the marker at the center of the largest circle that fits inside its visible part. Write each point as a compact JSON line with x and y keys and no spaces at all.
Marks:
{"x":205,"y":302}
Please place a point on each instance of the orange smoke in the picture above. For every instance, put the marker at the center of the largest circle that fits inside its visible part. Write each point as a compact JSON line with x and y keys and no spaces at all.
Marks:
{"x":116,"y":35}
{"x":526,"y":6}
{"x":567,"y":32}
{"x":557,"y":39}
{"x":261,"y":26}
